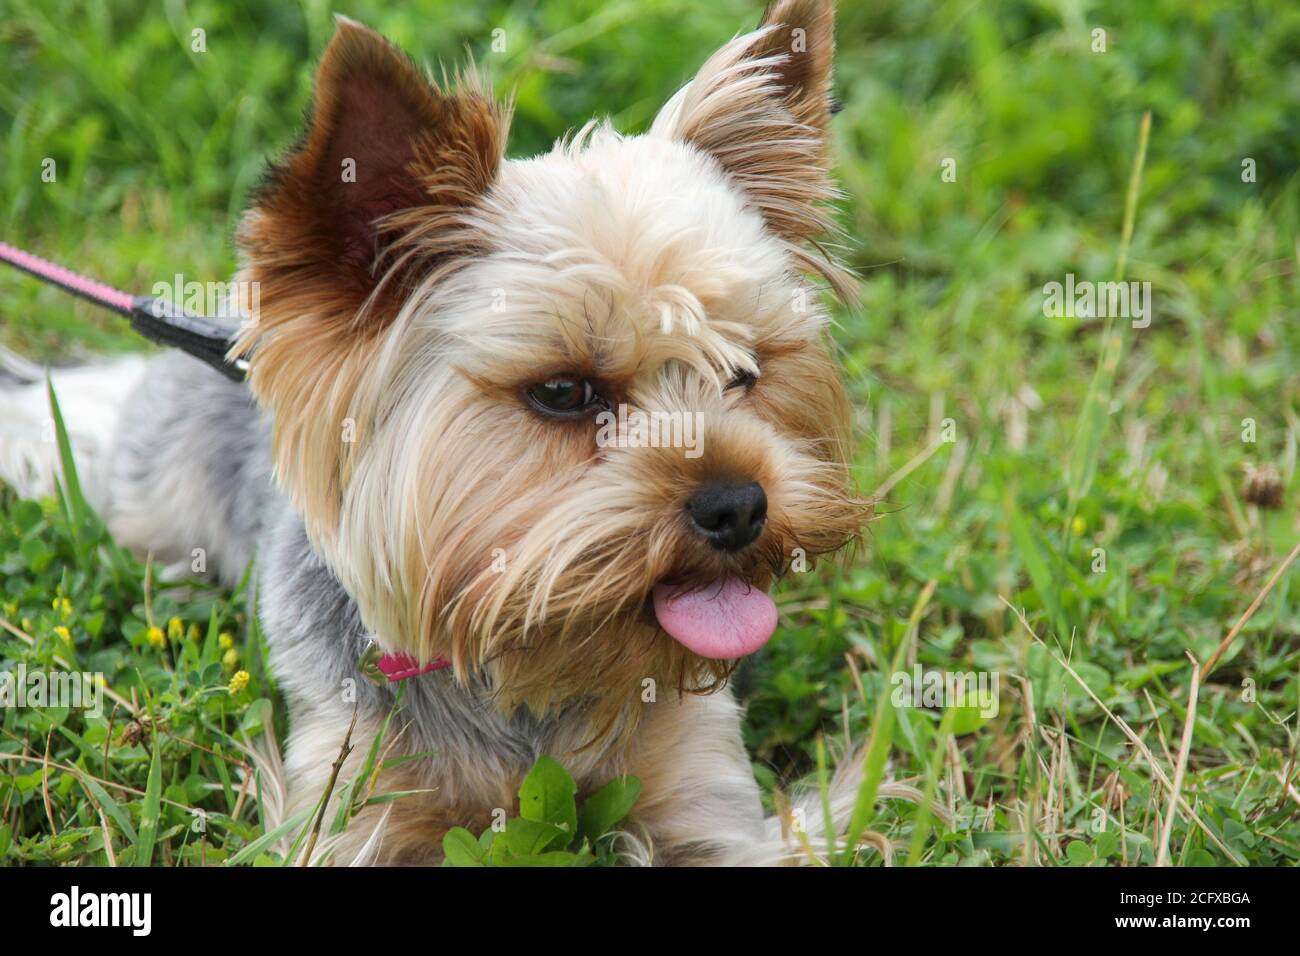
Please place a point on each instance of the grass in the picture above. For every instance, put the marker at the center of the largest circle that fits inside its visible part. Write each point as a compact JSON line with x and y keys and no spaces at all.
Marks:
{"x":1065,"y":500}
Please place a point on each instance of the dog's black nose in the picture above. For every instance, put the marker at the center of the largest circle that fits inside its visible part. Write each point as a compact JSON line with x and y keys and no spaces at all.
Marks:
{"x":729,"y":516}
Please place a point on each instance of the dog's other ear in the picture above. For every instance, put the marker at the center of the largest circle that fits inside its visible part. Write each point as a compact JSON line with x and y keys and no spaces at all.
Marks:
{"x":761,"y":106}
{"x":385,"y":153}
{"x":803,"y":32}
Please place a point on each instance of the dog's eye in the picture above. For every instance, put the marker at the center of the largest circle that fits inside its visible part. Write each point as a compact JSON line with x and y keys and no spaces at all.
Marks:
{"x":563,"y":395}
{"x":745,"y":380}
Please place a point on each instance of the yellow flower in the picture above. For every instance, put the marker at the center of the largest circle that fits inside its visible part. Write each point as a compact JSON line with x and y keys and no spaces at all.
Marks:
{"x":193,"y":633}
{"x":230,"y":658}
{"x":27,"y":624}
{"x":155,"y":636}
{"x":238,"y":682}
{"x":63,"y":633}
{"x":175,"y":628}
{"x":225,"y":641}
{"x":63,"y":606}
{"x":1079,"y":526}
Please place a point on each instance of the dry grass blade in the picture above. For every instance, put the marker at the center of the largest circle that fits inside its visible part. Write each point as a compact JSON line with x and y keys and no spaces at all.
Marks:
{"x":45,"y":784}
{"x":1250,"y":612}
{"x":1128,"y":732}
{"x":108,"y":837}
{"x":75,"y":771}
{"x":344,"y":751}
{"x":1288,"y":790}
{"x":917,"y":460}
{"x":785,"y":812}
{"x":1185,"y":748}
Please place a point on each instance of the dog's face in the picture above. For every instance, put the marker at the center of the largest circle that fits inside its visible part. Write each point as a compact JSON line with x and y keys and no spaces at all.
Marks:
{"x":560,"y":420}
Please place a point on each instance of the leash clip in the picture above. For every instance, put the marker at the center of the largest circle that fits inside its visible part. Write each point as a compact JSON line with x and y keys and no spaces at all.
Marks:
{"x":368,"y":663}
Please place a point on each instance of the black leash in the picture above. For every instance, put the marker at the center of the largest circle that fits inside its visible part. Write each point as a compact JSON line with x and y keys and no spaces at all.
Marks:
{"x":156,"y":319}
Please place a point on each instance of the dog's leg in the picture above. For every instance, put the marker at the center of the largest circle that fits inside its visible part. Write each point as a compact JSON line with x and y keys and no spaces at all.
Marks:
{"x":700,"y":802}
{"x":699,"y":799}
{"x":405,"y":831}
{"x":316,"y":741}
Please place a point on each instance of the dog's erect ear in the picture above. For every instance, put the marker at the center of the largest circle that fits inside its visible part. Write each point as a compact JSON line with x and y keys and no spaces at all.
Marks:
{"x":385,"y":153}
{"x":380,"y":194}
{"x":803,"y":32}
{"x":761,"y":106}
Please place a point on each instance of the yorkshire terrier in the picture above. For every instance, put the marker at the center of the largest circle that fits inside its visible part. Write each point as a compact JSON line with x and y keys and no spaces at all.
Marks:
{"x":422,"y":456}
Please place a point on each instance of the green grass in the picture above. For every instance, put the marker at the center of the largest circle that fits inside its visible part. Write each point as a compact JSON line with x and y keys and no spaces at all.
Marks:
{"x":1069,"y":447}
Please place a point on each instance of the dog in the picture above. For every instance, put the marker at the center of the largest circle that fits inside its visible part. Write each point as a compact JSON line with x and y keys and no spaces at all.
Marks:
{"x":417,"y":461}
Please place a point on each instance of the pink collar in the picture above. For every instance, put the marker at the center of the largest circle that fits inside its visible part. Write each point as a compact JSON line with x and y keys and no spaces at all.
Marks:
{"x":391,"y":668}
{"x":401,"y":666}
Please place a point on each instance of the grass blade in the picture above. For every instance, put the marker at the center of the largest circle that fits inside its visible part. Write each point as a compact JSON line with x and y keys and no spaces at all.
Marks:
{"x":1093,"y":417}
{"x":150,"y":810}
{"x":78,"y":508}
{"x":111,"y":806}
{"x":882,"y":736}
{"x":924,"y":816}
{"x":249,"y":853}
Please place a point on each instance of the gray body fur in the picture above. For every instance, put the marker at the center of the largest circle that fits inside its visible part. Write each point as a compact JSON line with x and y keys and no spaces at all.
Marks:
{"x":192,"y":469}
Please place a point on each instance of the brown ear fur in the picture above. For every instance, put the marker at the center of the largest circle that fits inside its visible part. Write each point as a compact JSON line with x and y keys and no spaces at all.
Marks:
{"x":804,"y":32}
{"x":333,"y":255}
{"x":316,"y":224}
{"x":761,"y":107}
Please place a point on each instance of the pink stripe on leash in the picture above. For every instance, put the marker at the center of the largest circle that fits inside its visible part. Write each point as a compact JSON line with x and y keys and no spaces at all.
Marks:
{"x":401,"y":666}
{"x":72,"y":281}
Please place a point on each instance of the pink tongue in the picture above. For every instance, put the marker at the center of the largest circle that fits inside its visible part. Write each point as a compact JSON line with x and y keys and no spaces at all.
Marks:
{"x":722,"y":620}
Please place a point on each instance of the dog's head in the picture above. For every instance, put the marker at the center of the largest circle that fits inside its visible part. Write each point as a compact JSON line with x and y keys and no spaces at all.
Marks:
{"x":560,"y":420}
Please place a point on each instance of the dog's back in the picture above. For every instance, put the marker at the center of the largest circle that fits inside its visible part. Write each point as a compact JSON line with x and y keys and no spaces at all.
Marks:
{"x":173,"y":456}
